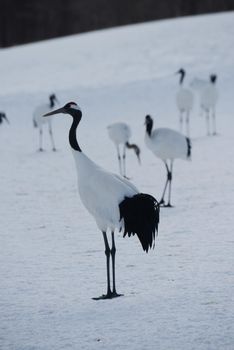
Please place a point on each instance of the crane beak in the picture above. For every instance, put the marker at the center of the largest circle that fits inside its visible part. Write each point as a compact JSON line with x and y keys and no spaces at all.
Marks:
{"x":57,"y":111}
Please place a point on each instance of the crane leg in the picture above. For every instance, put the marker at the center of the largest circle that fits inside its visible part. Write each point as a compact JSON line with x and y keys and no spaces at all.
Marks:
{"x":113,"y":251}
{"x":187,"y":124}
{"x":108,"y":294}
{"x":164,"y":191}
{"x":169,"y":191}
{"x":109,"y":252}
{"x":119,"y":159}
{"x":40,"y":140}
{"x":214,"y":122}
{"x":52,"y":138}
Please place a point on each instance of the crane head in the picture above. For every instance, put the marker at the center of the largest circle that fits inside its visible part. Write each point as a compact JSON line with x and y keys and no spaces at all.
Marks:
{"x":148,"y":120}
{"x":53,"y":98}
{"x":180,"y":71}
{"x":70,"y":108}
{"x":213,"y":78}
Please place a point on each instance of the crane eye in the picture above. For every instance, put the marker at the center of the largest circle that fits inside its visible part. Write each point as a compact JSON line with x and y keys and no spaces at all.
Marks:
{"x":71,"y":105}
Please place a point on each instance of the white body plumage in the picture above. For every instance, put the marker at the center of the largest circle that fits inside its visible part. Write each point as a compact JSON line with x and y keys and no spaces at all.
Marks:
{"x":184,"y":99}
{"x":119,"y":133}
{"x":167,"y":144}
{"x":101,"y":192}
{"x":209,"y":97}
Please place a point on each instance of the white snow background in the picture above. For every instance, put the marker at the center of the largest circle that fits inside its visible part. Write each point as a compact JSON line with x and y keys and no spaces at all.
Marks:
{"x":52,"y":262}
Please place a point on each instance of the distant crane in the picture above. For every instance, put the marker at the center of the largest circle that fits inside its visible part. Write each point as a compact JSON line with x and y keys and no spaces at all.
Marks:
{"x":2,"y":117}
{"x":120,"y":134}
{"x":38,"y":120}
{"x":114,"y":202}
{"x":168,"y":145}
{"x":209,"y":99}
{"x":184,"y":101}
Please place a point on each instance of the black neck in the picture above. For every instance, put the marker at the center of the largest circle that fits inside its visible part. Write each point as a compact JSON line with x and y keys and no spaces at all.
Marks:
{"x":52,"y":103}
{"x":130,"y":145}
{"x":182,"y":75}
{"x":149,"y":127}
{"x":76,"y":115}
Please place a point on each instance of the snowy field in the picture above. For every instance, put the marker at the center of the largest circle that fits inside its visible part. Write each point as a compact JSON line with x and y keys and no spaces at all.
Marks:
{"x":52,"y":262}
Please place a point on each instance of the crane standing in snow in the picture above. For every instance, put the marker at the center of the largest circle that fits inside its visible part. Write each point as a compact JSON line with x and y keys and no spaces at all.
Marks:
{"x":120,"y":134}
{"x":38,"y":120}
{"x":166,"y":144}
{"x":184,"y":101}
{"x":2,"y":117}
{"x":113,"y":201}
{"x":209,"y":98}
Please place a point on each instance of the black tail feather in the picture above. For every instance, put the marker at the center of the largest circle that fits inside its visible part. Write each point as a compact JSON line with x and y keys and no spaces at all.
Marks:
{"x":189,"y":147}
{"x":141,"y":217}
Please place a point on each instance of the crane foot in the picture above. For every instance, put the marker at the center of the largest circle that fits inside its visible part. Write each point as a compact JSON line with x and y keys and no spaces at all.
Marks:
{"x":108,"y":296}
{"x":168,"y":205}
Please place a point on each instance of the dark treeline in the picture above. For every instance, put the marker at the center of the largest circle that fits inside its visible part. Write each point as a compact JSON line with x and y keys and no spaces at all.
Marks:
{"x":23,"y":21}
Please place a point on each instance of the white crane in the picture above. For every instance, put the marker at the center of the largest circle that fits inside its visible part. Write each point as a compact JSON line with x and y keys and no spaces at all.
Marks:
{"x":2,"y":117}
{"x":120,"y":134}
{"x":168,"y":145}
{"x":113,"y":201}
{"x":184,"y":101}
{"x":38,"y":120}
{"x":209,"y":98}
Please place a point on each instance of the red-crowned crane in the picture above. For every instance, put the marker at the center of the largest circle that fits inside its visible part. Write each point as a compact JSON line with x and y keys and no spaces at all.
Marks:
{"x":113,"y":201}
{"x":120,"y":134}
{"x":3,"y":117}
{"x":209,"y":99}
{"x":39,"y":121}
{"x":184,"y":101}
{"x":168,"y":145}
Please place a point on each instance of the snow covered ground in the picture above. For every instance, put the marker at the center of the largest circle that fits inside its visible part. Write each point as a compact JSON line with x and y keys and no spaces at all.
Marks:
{"x":179,"y":296}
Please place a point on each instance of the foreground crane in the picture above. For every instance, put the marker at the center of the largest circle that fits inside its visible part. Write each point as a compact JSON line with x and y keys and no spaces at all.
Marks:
{"x":113,"y":201}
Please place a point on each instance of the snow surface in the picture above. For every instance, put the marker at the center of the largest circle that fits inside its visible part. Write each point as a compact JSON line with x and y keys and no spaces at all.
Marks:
{"x":179,"y":296}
